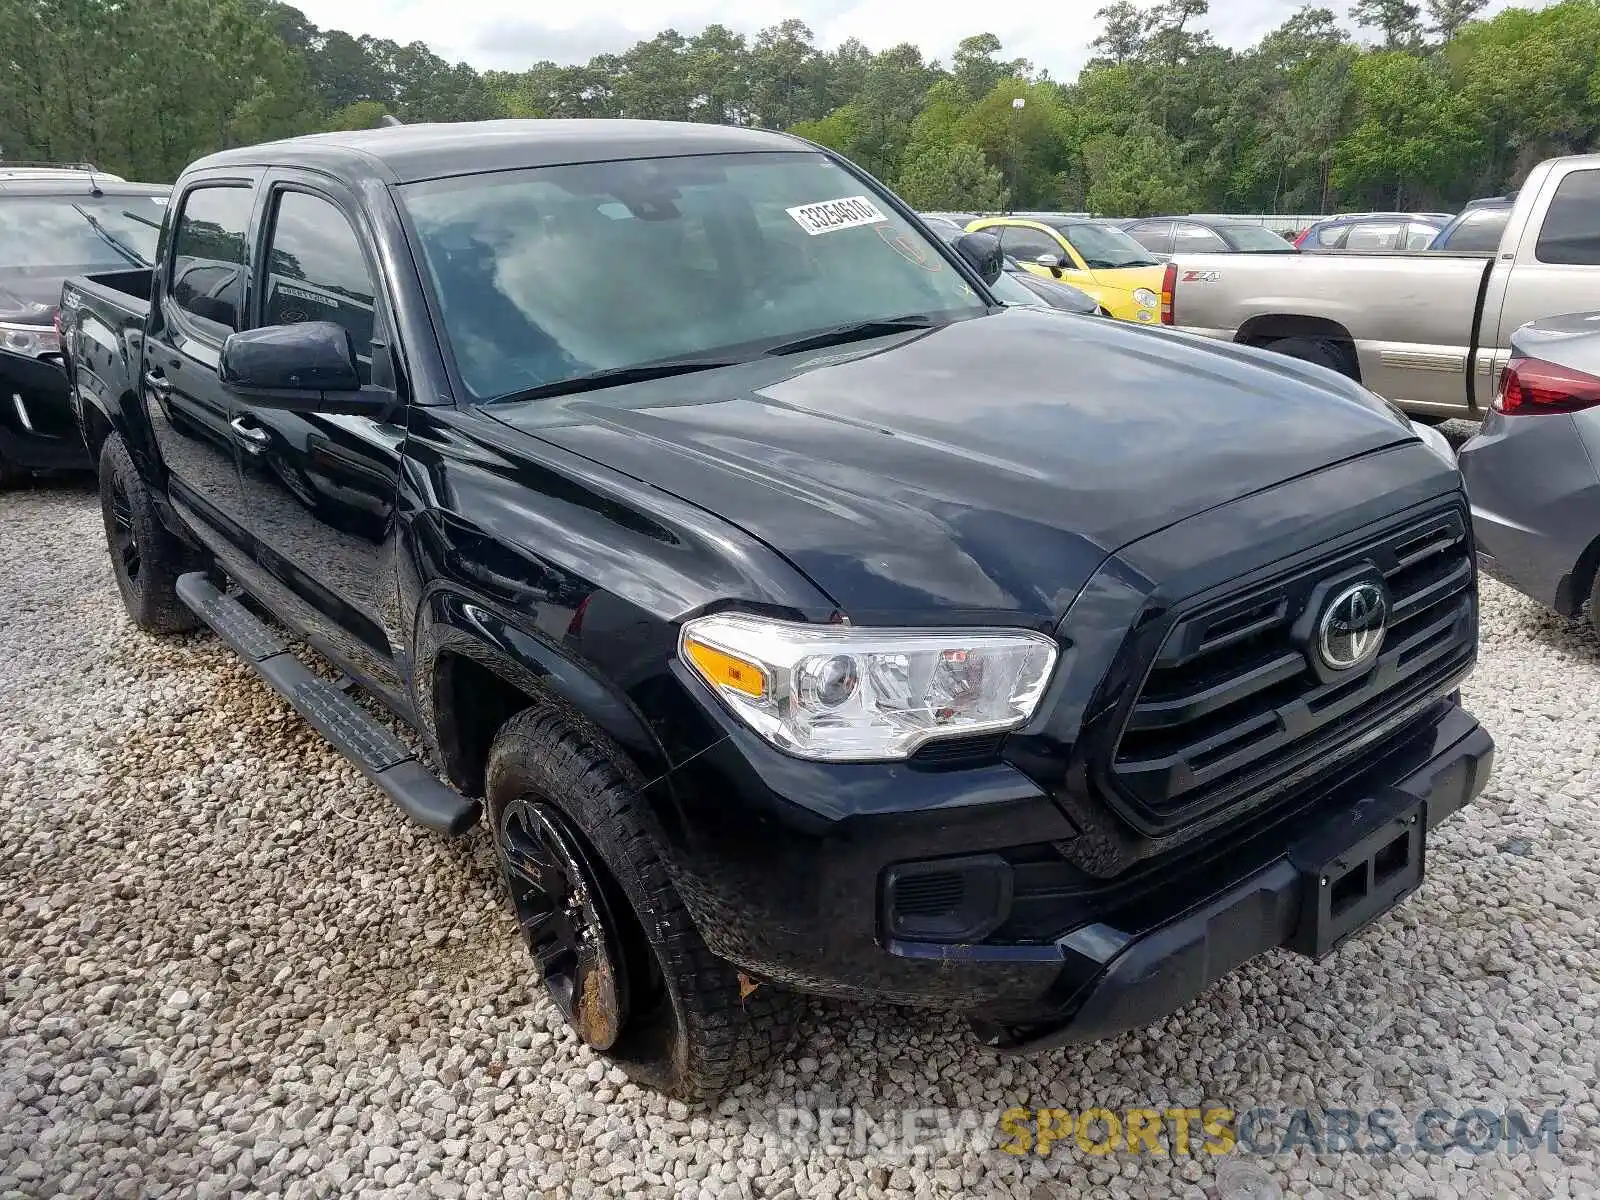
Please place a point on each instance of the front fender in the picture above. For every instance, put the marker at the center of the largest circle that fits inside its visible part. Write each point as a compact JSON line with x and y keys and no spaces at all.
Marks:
{"x":452,"y":622}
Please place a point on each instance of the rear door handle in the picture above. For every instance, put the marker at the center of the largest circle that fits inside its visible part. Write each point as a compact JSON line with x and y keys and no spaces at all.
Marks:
{"x":158,"y":383}
{"x":254,"y":437}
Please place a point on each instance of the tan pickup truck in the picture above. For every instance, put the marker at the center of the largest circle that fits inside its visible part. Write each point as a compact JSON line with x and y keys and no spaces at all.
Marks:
{"x":1427,"y":330}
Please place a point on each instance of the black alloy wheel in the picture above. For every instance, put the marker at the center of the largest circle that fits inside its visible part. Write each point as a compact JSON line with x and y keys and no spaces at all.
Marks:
{"x":565,"y":919}
{"x":124,"y":539}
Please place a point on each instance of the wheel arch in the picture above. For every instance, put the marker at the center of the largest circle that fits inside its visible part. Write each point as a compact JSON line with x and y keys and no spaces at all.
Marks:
{"x":1270,"y":327}
{"x":1579,"y":585}
{"x":476,"y":667}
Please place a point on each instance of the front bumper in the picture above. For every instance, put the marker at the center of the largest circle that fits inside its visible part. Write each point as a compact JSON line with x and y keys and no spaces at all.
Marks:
{"x":1144,"y":978}
{"x":793,"y":893}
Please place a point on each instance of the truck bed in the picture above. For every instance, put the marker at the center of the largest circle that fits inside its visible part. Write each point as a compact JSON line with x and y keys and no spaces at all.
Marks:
{"x":1411,"y":318}
{"x":127,"y":292}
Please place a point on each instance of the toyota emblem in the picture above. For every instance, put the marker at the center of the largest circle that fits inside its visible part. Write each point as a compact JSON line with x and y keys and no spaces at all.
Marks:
{"x":1352,"y":625}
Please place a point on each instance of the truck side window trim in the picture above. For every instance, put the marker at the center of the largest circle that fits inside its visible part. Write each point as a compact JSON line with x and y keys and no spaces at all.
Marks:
{"x":201,"y":291}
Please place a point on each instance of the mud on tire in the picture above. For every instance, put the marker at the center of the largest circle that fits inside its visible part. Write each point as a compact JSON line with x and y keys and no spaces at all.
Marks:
{"x":146,"y":558}
{"x":692,"y":1028}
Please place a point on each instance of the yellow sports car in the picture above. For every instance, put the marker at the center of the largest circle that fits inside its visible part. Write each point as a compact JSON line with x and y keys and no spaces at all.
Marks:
{"x":1099,"y":259}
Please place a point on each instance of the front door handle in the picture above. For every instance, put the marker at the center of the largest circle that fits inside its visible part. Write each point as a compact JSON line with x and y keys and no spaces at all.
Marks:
{"x":158,"y":383}
{"x":254,"y":437}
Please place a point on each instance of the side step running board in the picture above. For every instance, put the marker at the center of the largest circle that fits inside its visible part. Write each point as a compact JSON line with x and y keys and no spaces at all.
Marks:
{"x":348,"y":727}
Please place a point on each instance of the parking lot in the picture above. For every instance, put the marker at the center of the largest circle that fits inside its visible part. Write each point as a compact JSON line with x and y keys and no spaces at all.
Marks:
{"x":229,"y":964}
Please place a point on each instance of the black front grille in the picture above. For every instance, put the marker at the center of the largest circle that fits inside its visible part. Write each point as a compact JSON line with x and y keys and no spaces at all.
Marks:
{"x":934,"y":894}
{"x":1233,"y":703}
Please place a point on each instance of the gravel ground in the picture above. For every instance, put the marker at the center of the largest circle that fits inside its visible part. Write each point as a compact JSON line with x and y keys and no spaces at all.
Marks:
{"x":226,"y":964}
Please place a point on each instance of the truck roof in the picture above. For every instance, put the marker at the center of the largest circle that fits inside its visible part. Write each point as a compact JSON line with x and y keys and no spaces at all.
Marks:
{"x":410,"y":153}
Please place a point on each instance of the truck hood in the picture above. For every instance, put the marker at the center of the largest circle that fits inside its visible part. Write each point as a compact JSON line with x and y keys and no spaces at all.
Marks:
{"x":985,"y":469}
{"x":29,"y":297}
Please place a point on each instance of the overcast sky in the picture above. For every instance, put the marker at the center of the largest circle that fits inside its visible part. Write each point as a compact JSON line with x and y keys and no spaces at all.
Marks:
{"x":512,"y":34}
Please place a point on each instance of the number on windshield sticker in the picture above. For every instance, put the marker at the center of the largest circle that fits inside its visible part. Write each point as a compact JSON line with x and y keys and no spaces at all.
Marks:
{"x":825,"y":216}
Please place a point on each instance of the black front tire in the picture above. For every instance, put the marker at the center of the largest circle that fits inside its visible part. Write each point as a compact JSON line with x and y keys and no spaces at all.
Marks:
{"x":145,"y":558}
{"x":1321,"y":351}
{"x":691,"y":1025}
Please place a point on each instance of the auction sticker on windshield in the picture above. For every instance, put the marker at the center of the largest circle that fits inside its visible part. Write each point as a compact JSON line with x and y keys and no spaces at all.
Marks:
{"x":825,"y":216}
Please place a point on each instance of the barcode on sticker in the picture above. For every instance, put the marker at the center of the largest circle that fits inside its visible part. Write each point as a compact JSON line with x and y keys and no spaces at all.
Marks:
{"x":827,"y":215}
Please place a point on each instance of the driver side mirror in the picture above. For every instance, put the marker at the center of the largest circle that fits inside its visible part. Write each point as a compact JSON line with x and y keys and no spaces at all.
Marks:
{"x":1056,"y":262}
{"x":982,"y":253}
{"x":306,"y":367}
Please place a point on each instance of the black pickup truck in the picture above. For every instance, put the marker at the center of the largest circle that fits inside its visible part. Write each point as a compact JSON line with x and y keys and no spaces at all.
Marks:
{"x":805,"y":620}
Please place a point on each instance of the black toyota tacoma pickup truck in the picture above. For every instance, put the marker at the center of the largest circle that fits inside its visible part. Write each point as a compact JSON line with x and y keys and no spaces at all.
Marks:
{"x":805,"y":620}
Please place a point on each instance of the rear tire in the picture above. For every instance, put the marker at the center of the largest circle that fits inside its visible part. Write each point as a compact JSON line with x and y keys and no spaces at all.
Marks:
{"x":1594,"y":603}
{"x":1321,"y":351}
{"x":9,"y":475}
{"x":637,"y":983}
{"x":145,"y":558}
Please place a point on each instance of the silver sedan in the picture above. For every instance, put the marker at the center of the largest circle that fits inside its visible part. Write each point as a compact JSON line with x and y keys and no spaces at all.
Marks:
{"x":1533,"y":470}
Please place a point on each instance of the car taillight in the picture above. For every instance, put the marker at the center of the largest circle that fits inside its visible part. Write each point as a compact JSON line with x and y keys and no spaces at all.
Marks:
{"x":1531,"y":385}
{"x":1169,"y":285}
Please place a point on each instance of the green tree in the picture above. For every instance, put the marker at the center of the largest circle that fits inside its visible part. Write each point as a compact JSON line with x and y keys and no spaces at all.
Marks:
{"x":717,"y":67}
{"x":363,"y":114}
{"x":950,"y":176}
{"x":976,"y":68}
{"x":839,"y":130}
{"x":1400,"y":22}
{"x":1530,"y":79}
{"x":654,"y":82}
{"x":1136,"y":174}
{"x":1032,"y":146}
{"x":785,"y":73}
{"x":1122,"y":33}
{"x":1446,"y":17}
{"x":1413,"y":135}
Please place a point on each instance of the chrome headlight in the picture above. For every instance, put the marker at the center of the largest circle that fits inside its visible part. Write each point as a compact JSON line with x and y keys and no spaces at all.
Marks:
{"x":1145,"y":298}
{"x":31,"y":341}
{"x":846,"y":694}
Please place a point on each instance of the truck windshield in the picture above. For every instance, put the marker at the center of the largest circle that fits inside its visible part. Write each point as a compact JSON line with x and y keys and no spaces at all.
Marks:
{"x":557,"y":273}
{"x":83,"y":232}
{"x":1106,"y":248}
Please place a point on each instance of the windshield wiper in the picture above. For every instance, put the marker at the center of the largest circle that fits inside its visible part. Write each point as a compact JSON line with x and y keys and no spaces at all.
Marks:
{"x":856,"y":331}
{"x":617,"y":376}
{"x":133,"y":257}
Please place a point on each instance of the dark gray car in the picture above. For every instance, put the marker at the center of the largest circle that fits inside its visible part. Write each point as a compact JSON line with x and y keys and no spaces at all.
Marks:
{"x":1533,"y":470}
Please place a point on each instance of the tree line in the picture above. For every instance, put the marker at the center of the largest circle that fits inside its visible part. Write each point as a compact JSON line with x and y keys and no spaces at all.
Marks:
{"x":1432,"y":106}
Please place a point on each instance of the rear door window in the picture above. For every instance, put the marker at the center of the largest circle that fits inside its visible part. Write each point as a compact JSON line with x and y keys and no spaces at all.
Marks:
{"x":1374,"y":235}
{"x":1420,"y":236}
{"x":1479,"y":231}
{"x":1197,"y":239}
{"x":1154,"y":236}
{"x":1571,"y":230}
{"x":209,"y":255}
